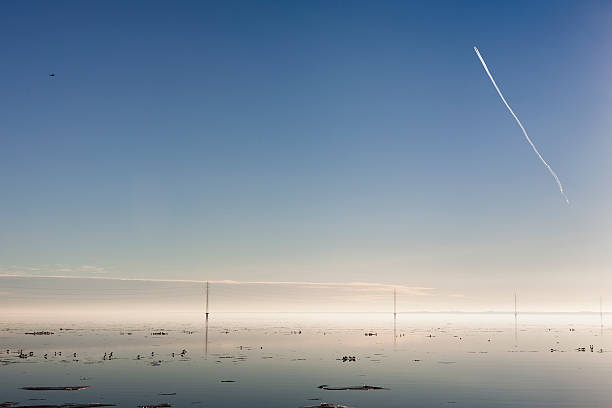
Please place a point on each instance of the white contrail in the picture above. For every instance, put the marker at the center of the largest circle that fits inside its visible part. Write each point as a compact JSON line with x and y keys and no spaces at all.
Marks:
{"x":521,"y":125}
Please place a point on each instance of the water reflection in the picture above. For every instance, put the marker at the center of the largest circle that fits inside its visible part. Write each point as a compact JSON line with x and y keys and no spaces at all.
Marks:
{"x":281,"y":360}
{"x":206,"y":337}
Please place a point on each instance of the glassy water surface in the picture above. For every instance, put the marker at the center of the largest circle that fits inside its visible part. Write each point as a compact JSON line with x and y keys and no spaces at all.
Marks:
{"x":280,"y":360}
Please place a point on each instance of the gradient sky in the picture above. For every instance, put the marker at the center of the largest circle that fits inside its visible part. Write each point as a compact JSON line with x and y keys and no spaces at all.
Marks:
{"x":309,"y":141}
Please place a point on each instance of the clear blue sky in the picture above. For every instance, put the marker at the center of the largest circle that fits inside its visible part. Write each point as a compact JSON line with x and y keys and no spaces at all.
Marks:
{"x":315,"y":140}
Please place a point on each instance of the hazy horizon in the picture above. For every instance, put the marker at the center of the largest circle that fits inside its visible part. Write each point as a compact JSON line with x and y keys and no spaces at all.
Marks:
{"x":109,"y":295}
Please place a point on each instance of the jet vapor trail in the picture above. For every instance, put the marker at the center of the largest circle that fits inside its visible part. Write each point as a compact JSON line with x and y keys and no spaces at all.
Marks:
{"x":521,"y":125}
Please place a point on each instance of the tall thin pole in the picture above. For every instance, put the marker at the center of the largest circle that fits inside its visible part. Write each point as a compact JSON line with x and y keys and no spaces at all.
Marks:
{"x":515,"y":313}
{"x":515,"y":321}
{"x":394,"y":303}
{"x":206,"y":323}
{"x":394,"y":316}
{"x":207,"y":300}
{"x":600,"y":312}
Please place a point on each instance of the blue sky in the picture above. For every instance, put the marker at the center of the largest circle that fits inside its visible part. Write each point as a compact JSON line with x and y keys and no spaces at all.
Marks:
{"x":324,"y":141}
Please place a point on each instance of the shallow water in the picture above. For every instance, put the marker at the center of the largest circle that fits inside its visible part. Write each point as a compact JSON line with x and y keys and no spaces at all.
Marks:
{"x":279,"y":360}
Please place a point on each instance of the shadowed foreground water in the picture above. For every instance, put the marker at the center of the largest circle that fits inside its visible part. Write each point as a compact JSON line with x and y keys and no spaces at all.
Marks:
{"x":280,"y":360}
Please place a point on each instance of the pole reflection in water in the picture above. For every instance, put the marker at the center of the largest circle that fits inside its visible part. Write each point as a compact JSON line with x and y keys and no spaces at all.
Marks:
{"x":206,"y":338}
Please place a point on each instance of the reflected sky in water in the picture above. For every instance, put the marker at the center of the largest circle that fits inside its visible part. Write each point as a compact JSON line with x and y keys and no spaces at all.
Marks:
{"x":279,"y":360}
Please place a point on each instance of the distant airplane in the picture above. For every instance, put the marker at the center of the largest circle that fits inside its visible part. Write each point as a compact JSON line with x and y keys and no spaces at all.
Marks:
{"x":52,"y":74}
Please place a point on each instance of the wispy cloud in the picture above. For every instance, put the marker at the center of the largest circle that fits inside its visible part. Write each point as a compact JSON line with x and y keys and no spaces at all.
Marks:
{"x":53,"y":270}
{"x":92,"y":269}
{"x":366,"y":286}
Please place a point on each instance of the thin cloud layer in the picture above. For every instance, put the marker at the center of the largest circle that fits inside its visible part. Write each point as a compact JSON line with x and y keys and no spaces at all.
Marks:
{"x":355,"y":286}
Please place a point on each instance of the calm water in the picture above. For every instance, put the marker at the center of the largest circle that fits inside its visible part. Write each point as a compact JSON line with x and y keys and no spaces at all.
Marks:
{"x":279,"y":360}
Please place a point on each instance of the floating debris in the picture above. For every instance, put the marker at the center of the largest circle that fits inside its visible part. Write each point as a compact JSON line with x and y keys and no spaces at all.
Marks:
{"x":370,"y":334}
{"x":40,"y":333}
{"x":161,"y":333}
{"x":155,"y":406}
{"x":74,"y":388}
{"x":228,"y":381}
{"x":355,"y":387}
{"x":92,"y":405}
{"x":327,"y":405}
